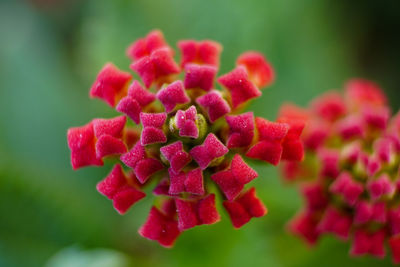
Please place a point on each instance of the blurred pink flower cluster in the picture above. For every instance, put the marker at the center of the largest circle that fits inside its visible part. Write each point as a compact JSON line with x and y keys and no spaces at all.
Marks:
{"x":177,"y":131}
{"x":350,"y":180}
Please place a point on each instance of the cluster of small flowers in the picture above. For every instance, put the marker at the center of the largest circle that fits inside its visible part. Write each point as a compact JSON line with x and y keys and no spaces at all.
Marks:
{"x":183,"y":135}
{"x":350,"y":179}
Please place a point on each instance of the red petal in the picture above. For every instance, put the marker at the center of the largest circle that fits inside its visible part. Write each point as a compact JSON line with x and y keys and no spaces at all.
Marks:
{"x":260,"y":71}
{"x":124,"y":199}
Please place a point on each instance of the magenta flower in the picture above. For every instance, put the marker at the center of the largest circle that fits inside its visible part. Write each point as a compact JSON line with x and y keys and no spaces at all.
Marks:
{"x":186,"y":136}
{"x":350,"y":179}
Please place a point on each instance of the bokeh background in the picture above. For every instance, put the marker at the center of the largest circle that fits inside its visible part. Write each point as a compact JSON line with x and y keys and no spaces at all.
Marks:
{"x":50,"y":53}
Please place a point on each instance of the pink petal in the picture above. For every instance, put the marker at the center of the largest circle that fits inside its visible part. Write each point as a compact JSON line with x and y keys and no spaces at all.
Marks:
{"x":207,"y":211}
{"x":187,"y":217}
{"x":194,"y":182}
{"x":124,"y":199}
{"x":177,"y":182}
{"x":152,"y":135}
{"x":153,"y":119}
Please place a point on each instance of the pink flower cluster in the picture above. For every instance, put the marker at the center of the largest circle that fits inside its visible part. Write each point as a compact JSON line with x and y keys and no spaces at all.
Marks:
{"x":184,"y":135}
{"x":350,"y":180}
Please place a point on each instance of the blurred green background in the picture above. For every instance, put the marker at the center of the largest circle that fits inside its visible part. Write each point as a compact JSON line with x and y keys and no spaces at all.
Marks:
{"x":50,"y":53}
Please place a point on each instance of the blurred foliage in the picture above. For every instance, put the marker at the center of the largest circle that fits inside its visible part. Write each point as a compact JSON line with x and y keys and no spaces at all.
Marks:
{"x":50,"y":52}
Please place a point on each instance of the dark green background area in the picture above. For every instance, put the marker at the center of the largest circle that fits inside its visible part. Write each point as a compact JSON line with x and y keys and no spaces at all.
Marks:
{"x":50,"y":53}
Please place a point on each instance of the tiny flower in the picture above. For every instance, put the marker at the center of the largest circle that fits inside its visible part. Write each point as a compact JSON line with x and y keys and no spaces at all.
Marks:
{"x":359,"y":92}
{"x":186,"y":121}
{"x":153,"y":128}
{"x":192,"y":213}
{"x":183,"y":133}
{"x":305,"y":225}
{"x":176,"y":156}
{"x":109,"y":133}
{"x":232,"y":181}
{"x":156,"y":66}
{"x":81,"y":142}
{"x":380,"y":187}
{"x":245,"y":207}
{"x":368,"y":243}
{"x":142,"y":165}
{"x":199,"y":76}
{"x":376,"y":118}
{"x":110,"y":84}
{"x":173,"y":95}
{"x":367,"y":212}
{"x":270,"y":137}
{"x":351,"y":127}
{"x":239,"y":85}
{"x":347,"y":187}
{"x":145,"y":46}
{"x":292,"y":146}
{"x":260,"y":71}
{"x":211,"y":150}
{"x":136,"y":100}
{"x":329,"y":106}
{"x":117,"y":188}
{"x":215,"y":106}
{"x":335,"y":222}
{"x":315,"y":196}
{"x":203,"y":52}
{"x":160,"y":227}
